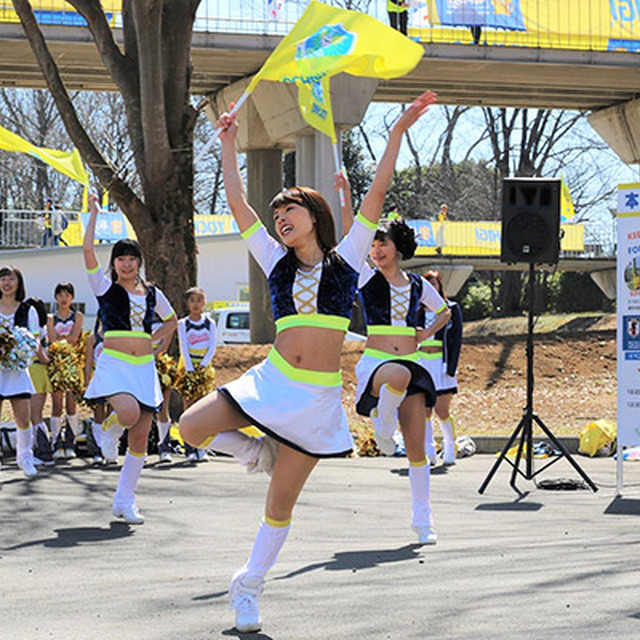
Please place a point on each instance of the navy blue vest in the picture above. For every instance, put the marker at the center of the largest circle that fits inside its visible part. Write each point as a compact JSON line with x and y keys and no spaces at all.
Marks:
{"x":376,"y":300}
{"x":115,"y":309}
{"x":336,"y":289}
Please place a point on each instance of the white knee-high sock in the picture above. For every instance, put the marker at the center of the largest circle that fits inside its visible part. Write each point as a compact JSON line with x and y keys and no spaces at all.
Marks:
{"x":448,"y":436}
{"x":56,"y":427}
{"x":242,"y":447}
{"x":129,"y":476}
{"x":74,"y":423}
{"x":266,"y":546}
{"x":163,"y":430}
{"x":429,"y":441}
{"x":24,"y":444}
{"x":388,"y":402}
{"x":96,"y":430}
{"x":420,"y":479}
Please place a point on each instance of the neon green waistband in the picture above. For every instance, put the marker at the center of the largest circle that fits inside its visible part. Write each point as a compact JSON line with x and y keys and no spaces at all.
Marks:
{"x":389,"y":330}
{"x":126,"y":334}
{"x":320,"y":378}
{"x":430,"y":342}
{"x":436,"y":355}
{"x":319,"y":320}
{"x":126,"y":357}
{"x":383,"y":355}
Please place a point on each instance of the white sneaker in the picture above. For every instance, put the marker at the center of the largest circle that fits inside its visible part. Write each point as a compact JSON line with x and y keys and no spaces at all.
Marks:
{"x":426,"y":534}
{"x":244,"y":594}
{"x":28,"y":468}
{"x":202,"y":455}
{"x":385,"y":443}
{"x":69,"y":453}
{"x":266,"y":458}
{"x":109,"y":448}
{"x":130,"y":514}
{"x":192,"y":457}
{"x":165,"y":456}
{"x":98,"y":459}
{"x":59,"y":454}
{"x":448,"y":455}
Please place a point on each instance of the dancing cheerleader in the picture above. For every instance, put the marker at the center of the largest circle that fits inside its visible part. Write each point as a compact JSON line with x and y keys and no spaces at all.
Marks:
{"x":294,"y":396}
{"x":439,"y":355}
{"x":15,"y":383}
{"x":65,"y":324}
{"x":197,"y":337}
{"x":42,"y":449}
{"x":125,"y":373}
{"x":392,"y":386}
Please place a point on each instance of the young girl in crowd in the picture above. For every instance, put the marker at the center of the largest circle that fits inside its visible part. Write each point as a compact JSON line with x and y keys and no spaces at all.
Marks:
{"x":42,"y":449}
{"x":439,"y":355}
{"x":197,"y":337}
{"x":294,"y":396}
{"x":64,"y":324}
{"x":125,"y":373}
{"x":15,"y":384}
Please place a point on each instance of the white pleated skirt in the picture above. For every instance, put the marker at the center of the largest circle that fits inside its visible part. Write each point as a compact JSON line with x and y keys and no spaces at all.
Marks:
{"x":117,"y":372}
{"x":372,"y":360}
{"x":437,"y":369}
{"x":297,"y":407}
{"x":15,"y":383}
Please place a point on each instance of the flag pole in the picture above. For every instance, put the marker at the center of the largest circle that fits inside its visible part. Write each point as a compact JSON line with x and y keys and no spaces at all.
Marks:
{"x":216,"y":133}
{"x":336,"y":160}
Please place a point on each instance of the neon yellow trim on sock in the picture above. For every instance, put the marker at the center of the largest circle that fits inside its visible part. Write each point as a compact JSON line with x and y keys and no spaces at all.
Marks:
{"x":367,"y":223}
{"x":396,"y":392}
{"x":422,"y":463}
{"x":383,"y":355}
{"x":136,"y":454}
{"x":23,"y":428}
{"x":137,"y":360}
{"x":278,"y":524}
{"x":247,"y":233}
{"x":94,"y":270}
{"x":389,"y":330}
{"x":320,"y":320}
{"x":320,"y":378}
{"x":206,"y":442}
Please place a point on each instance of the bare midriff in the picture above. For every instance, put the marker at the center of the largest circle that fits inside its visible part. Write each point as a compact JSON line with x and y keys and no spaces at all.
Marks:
{"x":422,"y":335}
{"x":312,"y":348}
{"x":133,"y":346}
{"x":398,"y":345}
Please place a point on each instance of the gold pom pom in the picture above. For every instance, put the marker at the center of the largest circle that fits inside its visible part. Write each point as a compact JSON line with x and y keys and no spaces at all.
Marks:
{"x":64,"y":368}
{"x":167,"y":370}
{"x":196,"y":384}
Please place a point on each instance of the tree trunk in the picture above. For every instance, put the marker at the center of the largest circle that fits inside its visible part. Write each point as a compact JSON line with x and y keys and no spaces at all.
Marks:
{"x":510,"y":293}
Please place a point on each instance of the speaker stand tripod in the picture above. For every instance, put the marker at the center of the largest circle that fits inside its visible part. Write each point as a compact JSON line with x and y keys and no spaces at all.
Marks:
{"x":525,"y":427}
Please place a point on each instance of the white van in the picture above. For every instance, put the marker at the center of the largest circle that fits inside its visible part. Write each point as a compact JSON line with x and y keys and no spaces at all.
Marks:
{"x":232,"y":324}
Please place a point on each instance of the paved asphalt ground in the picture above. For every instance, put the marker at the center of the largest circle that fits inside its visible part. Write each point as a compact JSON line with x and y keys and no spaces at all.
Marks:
{"x":552,"y":564}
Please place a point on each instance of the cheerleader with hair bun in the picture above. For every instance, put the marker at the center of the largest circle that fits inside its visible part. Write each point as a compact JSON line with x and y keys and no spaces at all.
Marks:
{"x":196,"y":378}
{"x":391,"y":384}
{"x":125,"y":373}
{"x":440,"y":353}
{"x":19,"y":325}
{"x":64,"y":329}
{"x":294,"y":396}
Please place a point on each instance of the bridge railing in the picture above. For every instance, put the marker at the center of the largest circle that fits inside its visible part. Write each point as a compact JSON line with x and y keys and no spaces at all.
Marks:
{"x":592,"y":25}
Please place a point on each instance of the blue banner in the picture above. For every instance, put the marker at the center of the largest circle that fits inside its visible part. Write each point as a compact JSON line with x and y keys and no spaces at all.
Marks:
{"x":110,"y":227}
{"x":500,"y":14}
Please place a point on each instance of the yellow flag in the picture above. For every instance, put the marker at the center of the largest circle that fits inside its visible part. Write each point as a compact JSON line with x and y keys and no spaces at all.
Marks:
{"x":566,"y":203}
{"x":68,"y":163}
{"x":326,"y":41}
{"x":314,"y":101}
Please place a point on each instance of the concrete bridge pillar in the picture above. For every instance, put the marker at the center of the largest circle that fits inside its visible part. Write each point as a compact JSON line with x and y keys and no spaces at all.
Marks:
{"x":606,"y":280}
{"x":619,"y":127}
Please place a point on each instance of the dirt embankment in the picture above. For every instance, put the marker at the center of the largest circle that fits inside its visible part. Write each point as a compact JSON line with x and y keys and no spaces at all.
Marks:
{"x":575,"y":379}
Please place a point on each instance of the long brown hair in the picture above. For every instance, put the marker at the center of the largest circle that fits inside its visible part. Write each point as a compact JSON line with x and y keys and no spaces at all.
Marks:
{"x":317,"y":206}
{"x":8,"y":270}
{"x":438,"y":278}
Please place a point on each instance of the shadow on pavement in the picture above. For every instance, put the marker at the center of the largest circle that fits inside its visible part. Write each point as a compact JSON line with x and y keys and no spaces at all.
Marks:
{"x":78,"y":535}
{"x":624,"y":507}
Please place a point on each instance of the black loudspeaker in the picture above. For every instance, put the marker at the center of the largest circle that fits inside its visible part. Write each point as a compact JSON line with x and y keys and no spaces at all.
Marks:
{"x":530,"y":220}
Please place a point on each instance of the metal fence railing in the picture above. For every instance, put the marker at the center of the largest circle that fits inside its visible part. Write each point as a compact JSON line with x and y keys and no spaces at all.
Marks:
{"x":594,"y":25}
{"x":26,"y":228}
